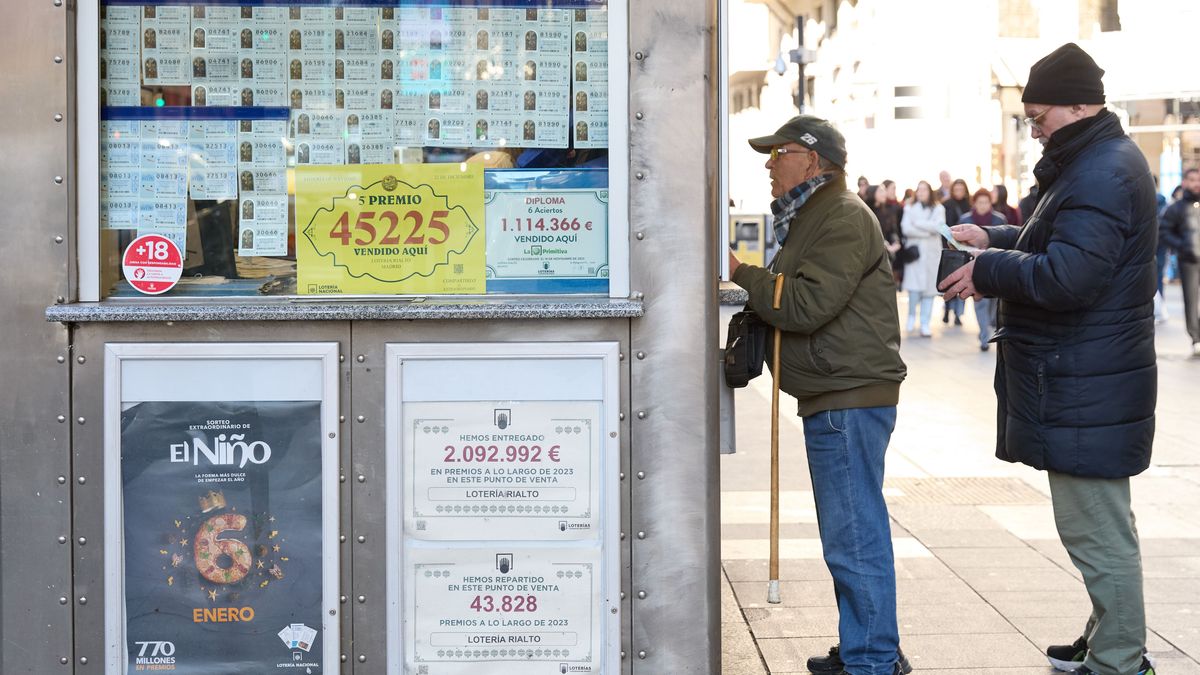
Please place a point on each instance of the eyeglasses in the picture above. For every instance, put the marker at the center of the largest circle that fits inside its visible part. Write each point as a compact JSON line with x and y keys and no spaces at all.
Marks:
{"x":776,"y":152}
{"x":1035,"y":121}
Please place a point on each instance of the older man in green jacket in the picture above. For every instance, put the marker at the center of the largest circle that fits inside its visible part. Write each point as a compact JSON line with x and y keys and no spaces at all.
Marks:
{"x":840,"y":358}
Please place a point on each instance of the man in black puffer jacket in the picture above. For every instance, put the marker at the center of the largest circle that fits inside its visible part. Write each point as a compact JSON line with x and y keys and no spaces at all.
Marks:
{"x":1076,"y":379}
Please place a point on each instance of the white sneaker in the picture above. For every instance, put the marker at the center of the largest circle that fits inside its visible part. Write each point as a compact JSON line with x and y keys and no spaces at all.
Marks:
{"x":926,"y":332}
{"x":1160,"y":309}
{"x":911,"y":325}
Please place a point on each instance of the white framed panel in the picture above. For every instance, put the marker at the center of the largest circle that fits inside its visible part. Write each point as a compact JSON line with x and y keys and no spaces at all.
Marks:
{"x":507,"y":543}
{"x":87,"y":149}
{"x":227,"y":421}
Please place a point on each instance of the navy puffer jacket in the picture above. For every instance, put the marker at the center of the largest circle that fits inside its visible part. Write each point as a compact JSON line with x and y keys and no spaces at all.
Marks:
{"x":1076,"y":379}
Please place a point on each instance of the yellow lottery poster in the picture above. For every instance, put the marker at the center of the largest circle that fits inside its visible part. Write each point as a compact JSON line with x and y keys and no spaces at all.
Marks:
{"x":390,"y":229}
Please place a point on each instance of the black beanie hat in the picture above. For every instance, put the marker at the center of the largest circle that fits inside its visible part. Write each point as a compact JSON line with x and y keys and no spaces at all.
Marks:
{"x":1065,"y":76}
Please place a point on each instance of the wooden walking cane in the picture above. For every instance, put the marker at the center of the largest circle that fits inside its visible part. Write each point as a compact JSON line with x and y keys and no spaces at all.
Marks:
{"x":773,"y":585}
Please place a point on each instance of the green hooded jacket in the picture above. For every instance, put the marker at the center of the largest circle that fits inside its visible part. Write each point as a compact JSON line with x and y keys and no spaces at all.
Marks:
{"x":841,"y":329}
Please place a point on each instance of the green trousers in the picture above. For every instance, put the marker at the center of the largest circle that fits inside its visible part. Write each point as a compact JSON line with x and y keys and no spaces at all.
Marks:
{"x":1096,"y":525}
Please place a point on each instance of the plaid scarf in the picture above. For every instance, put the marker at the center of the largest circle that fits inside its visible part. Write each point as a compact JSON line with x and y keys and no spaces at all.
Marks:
{"x":785,"y":208}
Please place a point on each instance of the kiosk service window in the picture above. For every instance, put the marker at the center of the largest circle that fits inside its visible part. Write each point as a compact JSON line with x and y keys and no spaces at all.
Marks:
{"x":358,"y":148}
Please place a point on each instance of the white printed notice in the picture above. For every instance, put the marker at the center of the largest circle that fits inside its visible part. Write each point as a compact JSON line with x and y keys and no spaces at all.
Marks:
{"x":502,"y":610}
{"x":522,"y":470}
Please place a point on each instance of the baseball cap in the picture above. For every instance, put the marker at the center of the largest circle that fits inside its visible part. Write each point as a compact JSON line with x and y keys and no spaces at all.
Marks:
{"x":812,"y":132}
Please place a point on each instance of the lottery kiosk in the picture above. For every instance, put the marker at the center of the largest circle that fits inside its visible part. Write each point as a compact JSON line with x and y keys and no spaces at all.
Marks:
{"x":360,"y":336}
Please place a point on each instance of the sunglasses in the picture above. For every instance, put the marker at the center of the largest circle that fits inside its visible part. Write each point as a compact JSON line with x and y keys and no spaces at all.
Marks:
{"x":776,"y":152}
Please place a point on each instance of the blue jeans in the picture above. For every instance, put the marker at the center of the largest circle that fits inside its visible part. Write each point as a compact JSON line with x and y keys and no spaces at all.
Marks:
{"x":845,"y":460}
{"x":984,"y":310}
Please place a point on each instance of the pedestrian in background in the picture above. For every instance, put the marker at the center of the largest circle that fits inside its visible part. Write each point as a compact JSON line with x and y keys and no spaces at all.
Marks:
{"x":920,"y":227}
{"x":1076,"y":373}
{"x":863,"y":186}
{"x":1027,"y":204}
{"x":983,"y":215}
{"x":1180,"y":231}
{"x":958,"y":204}
{"x":840,"y":358}
{"x":889,"y":227}
{"x":944,"y":187}
{"x":1012,"y":214}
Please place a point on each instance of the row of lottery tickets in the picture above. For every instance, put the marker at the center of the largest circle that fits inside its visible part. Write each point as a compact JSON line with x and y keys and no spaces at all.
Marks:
{"x":448,"y":76}
{"x":150,"y":168}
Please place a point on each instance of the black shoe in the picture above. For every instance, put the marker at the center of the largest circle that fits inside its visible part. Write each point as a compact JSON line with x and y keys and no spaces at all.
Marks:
{"x":946,"y":316}
{"x":1067,"y":657}
{"x":984,"y":348}
{"x":832,"y":663}
{"x":957,"y":321}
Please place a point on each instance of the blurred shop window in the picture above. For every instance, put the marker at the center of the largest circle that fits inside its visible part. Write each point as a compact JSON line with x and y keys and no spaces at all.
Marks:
{"x":216,"y":118}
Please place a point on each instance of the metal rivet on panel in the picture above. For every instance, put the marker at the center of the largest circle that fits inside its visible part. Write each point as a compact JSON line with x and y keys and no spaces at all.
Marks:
{"x":641,"y":355}
{"x":639,"y":115}
{"x":362,"y":658}
{"x":341,"y":418}
{"x":612,"y":434}
{"x":343,"y":658}
{"x":639,"y":175}
{"x":360,"y":358}
{"x":639,"y":295}
{"x":641,"y":535}
{"x":642,"y":654}
{"x":362,"y":599}
{"x":58,"y":180}
{"x":81,"y":420}
{"x":57,"y":58}
{"x":83,"y":541}
{"x":63,"y":600}
{"x":341,"y":358}
{"x":60,"y":300}
{"x":362,"y":538}
{"x":639,"y":56}
{"x":62,"y":480}
{"x":58,"y":3}
{"x":342,"y":478}
{"x":621,"y":417}
{"x":61,"y":359}
{"x":62,"y":539}
{"x":64,"y":660}
{"x":343,"y":599}
{"x":58,"y":239}
{"x":622,"y":536}
{"x":81,"y":359}
{"x":58,"y":117}
{"x":641,"y":595}
{"x":361,"y":418}
{"x":641,"y":414}
{"x":613,"y":610}
{"x":83,"y":660}
{"x":622,"y":475}
{"x":620,"y":356}
{"x":641,"y":475}
{"x":622,"y":654}
{"x":362,"y":478}
{"x":82,"y":600}
{"x":640,"y":236}
{"x":622,"y":595}
{"x":82,"y":480}
{"x":332,"y":435}
{"x":342,"y":538}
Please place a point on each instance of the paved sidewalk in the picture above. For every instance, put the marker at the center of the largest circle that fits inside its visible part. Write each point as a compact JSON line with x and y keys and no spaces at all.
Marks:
{"x":983,"y":583}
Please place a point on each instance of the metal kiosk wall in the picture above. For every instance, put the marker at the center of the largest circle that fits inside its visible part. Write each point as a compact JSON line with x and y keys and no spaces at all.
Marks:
{"x":246,"y":165}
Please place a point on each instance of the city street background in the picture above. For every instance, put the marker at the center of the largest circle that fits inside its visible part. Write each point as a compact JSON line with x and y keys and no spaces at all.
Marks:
{"x":983,"y":582}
